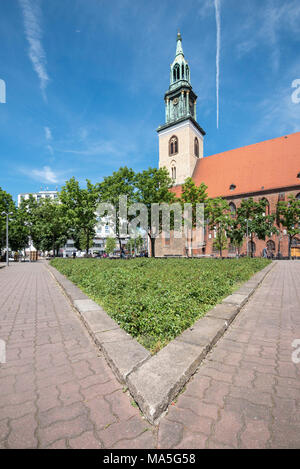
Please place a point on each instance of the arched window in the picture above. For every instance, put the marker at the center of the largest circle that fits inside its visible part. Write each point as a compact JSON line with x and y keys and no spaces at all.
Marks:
{"x":173,"y":173}
{"x":267,"y":212}
{"x":182,"y":72}
{"x":176,"y":72}
{"x":295,"y":242}
{"x":271,"y":246}
{"x":173,"y":145}
{"x":187,"y":72}
{"x":196,"y":147}
{"x":232,"y":208}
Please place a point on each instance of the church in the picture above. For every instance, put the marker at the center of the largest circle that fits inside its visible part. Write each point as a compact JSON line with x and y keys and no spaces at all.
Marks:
{"x":269,"y":169}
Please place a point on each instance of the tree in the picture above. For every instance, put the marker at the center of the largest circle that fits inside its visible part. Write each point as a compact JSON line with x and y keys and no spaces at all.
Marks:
{"x":79,"y":210}
{"x":18,"y":231}
{"x":219,"y":220}
{"x":6,"y":205}
{"x":29,"y":213}
{"x":153,"y":187}
{"x":253,"y":215}
{"x":50,"y":225}
{"x":236,"y":234}
{"x":288,"y":214}
{"x":110,"y":245}
{"x":120,"y":183}
{"x":193,"y":195}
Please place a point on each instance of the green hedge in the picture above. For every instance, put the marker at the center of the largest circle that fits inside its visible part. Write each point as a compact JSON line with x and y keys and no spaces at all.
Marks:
{"x":154,"y":300}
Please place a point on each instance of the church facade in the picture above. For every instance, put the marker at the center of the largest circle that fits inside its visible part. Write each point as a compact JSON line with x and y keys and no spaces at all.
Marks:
{"x":269,"y":169}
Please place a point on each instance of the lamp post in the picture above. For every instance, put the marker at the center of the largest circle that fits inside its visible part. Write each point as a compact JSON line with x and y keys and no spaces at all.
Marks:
{"x":7,"y":214}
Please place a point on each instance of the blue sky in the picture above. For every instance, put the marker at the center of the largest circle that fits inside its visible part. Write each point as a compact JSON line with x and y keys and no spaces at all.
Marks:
{"x":85,"y":81}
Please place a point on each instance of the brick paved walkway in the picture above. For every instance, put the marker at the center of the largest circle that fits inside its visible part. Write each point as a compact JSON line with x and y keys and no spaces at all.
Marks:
{"x":247,"y":392}
{"x":57,"y":391}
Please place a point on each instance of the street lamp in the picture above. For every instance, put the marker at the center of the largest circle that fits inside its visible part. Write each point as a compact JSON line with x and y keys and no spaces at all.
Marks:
{"x":7,"y":214}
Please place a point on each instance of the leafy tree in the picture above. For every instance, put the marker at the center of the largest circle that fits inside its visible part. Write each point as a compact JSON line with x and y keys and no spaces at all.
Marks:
{"x":50,"y":225}
{"x":79,"y":209}
{"x":6,"y":205}
{"x":191,"y":194}
{"x":110,"y":245}
{"x":153,"y":187}
{"x":18,"y":231}
{"x":254,"y":214}
{"x":29,"y":213}
{"x":120,"y":183}
{"x":288,"y":214}
{"x":236,"y":234}
{"x":219,"y":220}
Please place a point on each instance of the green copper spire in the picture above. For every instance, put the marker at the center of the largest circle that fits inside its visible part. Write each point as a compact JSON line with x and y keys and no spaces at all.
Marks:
{"x":179,"y":50}
{"x":180,"y":99}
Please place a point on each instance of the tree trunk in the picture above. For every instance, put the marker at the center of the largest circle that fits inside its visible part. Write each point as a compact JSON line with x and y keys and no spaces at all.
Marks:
{"x":290,"y":246}
{"x":152,"y":240}
{"x":87,"y":244}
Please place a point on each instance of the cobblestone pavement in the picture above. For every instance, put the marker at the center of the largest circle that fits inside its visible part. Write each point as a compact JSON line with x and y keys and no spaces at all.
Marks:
{"x":246,"y":394}
{"x":57,"y":391}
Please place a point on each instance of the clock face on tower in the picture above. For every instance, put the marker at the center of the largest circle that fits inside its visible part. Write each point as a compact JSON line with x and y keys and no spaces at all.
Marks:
{"x":175,"y":101}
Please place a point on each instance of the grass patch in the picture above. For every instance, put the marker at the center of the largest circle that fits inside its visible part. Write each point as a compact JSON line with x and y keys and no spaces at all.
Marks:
{"x":154,"y":300}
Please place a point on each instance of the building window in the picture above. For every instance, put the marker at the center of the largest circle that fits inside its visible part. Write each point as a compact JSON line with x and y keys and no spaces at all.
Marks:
{"x":281,"y":196}
{"x":176,"y":72}
{"x":267,"y":211}
{"x":232,"y":187}
{"x":173,"y":145}
{"x":187,"y":72}
{"x":270,"y":247}
{"x":232,"y":208}
{"x":196,"y":147}
{"x":182,"y":72}
{"x":173,"y":173}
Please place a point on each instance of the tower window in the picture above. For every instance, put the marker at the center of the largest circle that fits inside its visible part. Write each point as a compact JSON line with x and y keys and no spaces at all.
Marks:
{"x":196,"y":147}
{"x":182,"y":71}
{"x":173,"y":173}
{"x":176,"y":72}
{"x":173,"y":145}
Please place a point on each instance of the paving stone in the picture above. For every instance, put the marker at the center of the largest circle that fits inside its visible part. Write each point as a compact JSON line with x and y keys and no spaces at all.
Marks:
{"x":86,"y":305}
{"x":99,"y":321}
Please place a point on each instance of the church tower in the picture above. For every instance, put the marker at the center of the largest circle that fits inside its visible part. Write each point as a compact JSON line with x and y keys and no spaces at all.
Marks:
{"x":181,"y":137}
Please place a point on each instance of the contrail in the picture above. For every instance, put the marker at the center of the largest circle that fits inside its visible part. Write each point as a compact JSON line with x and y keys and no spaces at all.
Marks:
{"x":218,"y":24}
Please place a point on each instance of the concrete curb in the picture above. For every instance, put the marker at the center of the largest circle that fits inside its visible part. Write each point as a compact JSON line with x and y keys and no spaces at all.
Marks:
{"x":154,"y":381}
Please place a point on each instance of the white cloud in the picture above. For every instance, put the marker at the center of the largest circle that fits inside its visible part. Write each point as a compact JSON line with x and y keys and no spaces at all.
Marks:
{"x":48,"y":133}
{"x":31,"y":13}
{"x":43,"y":175}
{"x":218,"y":26}
{"x":265,"y":27}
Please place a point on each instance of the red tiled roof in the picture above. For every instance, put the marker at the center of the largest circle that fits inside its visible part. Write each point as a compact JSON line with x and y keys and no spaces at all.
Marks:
{"x":266,"y":165}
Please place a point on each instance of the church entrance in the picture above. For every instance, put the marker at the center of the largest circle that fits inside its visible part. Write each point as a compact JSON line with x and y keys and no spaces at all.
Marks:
{"x":295,"y":248}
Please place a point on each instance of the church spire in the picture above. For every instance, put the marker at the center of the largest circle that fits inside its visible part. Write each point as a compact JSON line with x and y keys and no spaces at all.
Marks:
{"x":179,"y":50}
